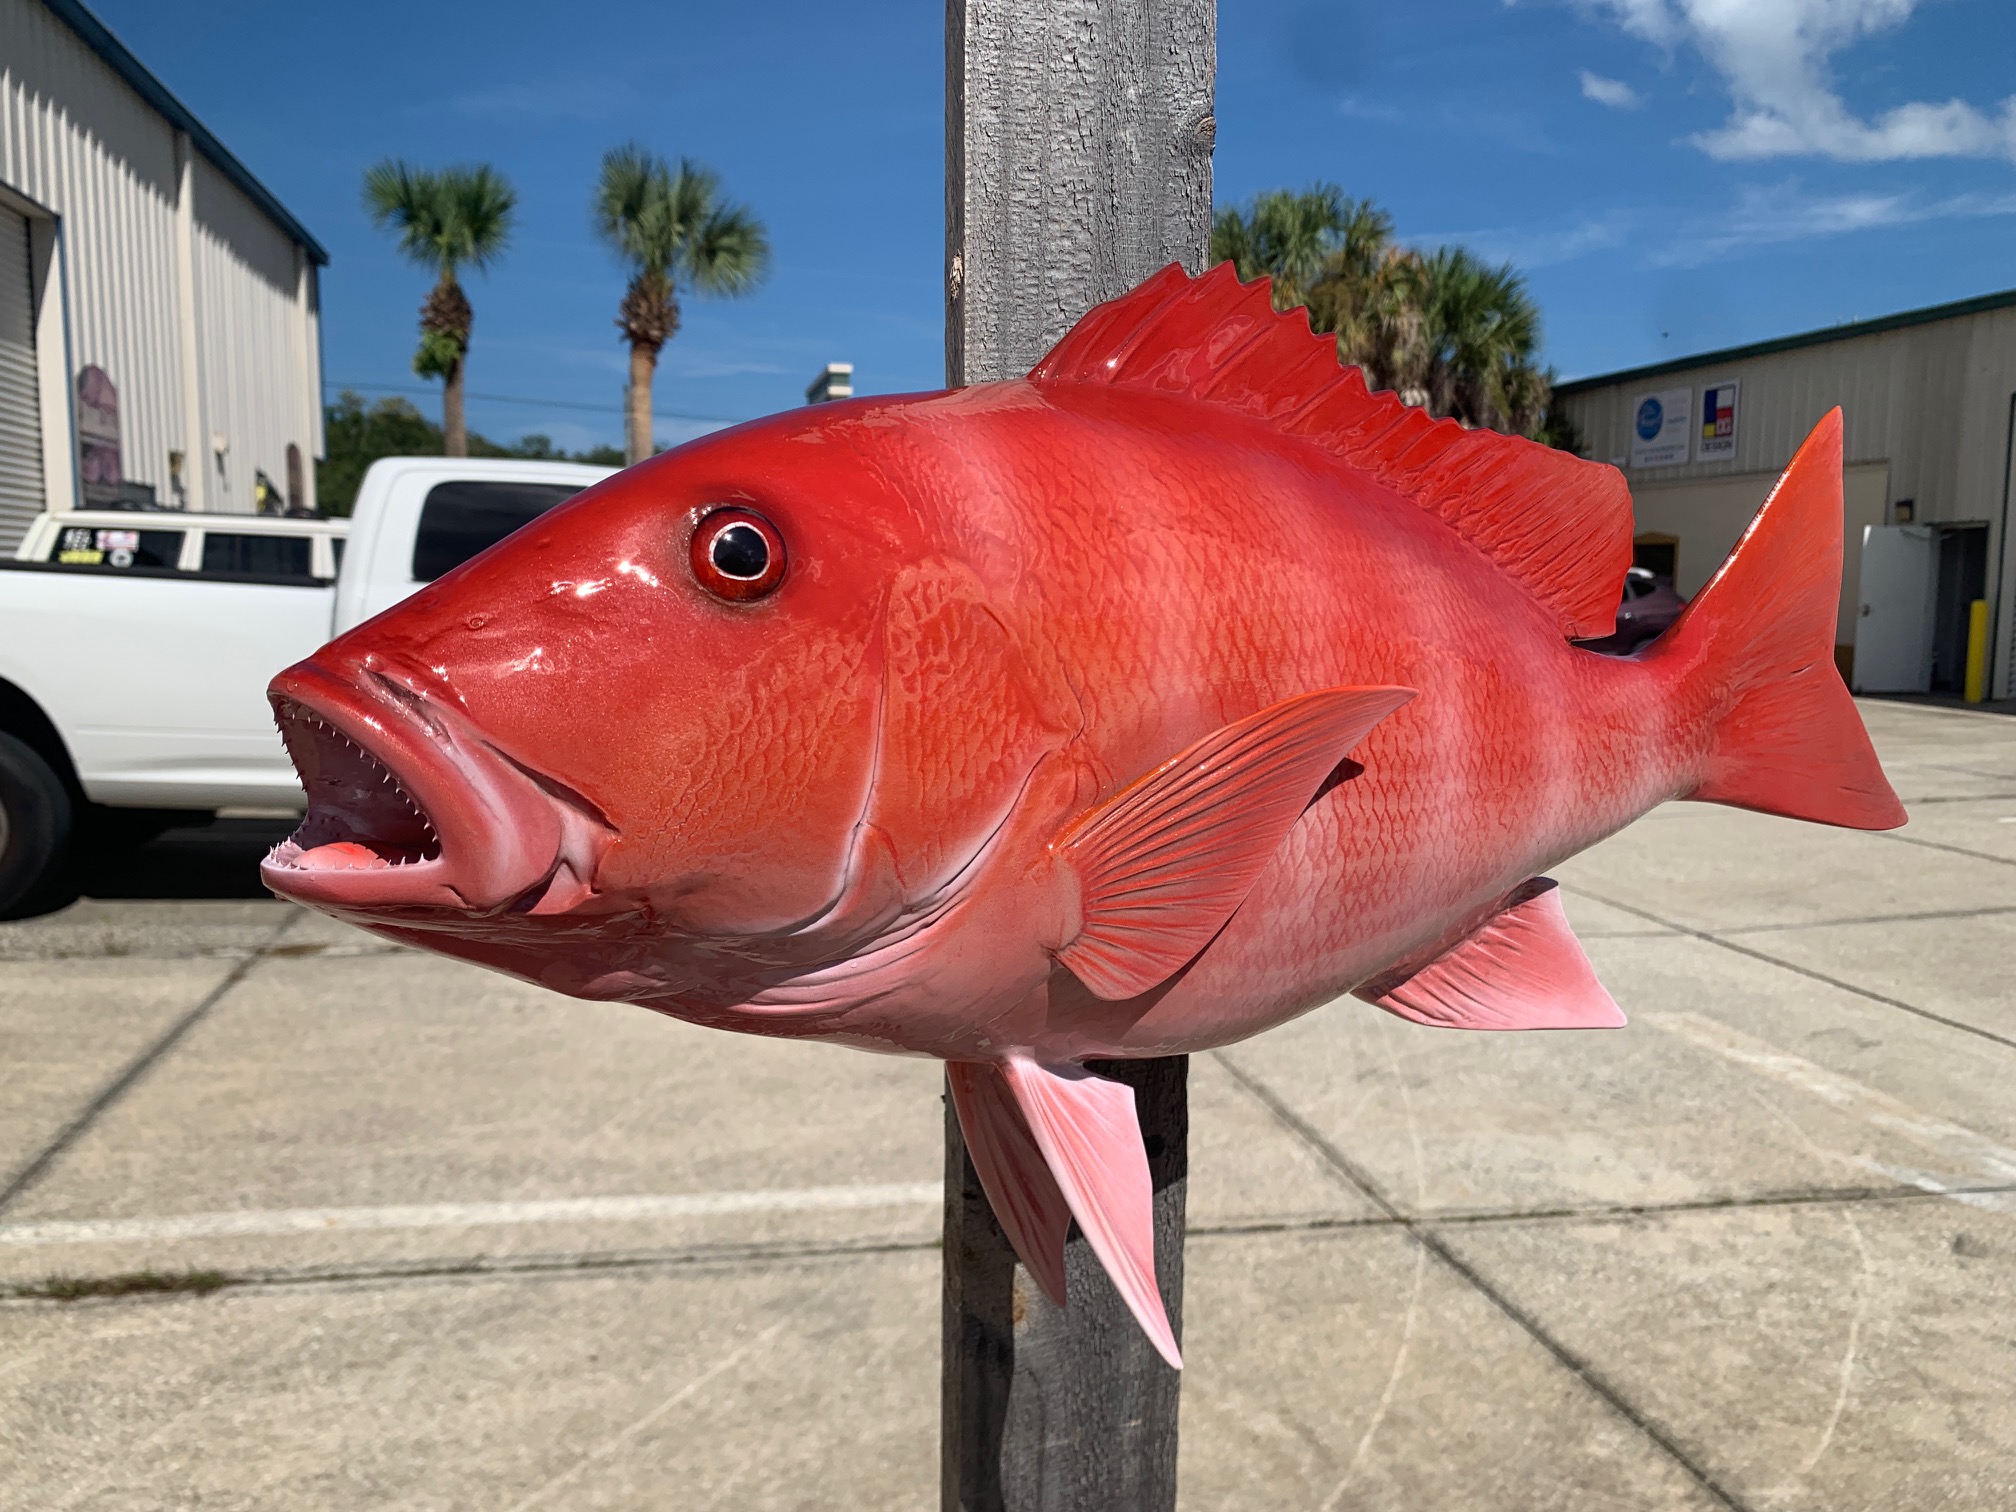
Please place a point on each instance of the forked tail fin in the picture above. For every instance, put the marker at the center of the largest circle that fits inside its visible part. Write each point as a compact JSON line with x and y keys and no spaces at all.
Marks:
{"x":1761,"y":635}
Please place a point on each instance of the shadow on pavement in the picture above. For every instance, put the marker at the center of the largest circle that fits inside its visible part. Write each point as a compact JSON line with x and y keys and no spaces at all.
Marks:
{"x":215,"y":860}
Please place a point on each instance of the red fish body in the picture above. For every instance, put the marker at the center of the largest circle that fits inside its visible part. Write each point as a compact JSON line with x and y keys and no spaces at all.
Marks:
{"x":1126,"y":710}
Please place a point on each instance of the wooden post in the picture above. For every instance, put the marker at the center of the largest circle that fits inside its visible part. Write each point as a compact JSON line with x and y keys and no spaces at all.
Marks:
{"x":1078,"y":141}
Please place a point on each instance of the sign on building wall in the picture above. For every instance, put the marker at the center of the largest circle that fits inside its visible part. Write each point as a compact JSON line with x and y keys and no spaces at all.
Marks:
{"x":1715,"y":441}
{"x":1660,"y":433}
{"x":98,"y":437}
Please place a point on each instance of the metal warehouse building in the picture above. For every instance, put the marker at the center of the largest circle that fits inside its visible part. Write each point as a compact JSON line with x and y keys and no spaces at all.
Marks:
{"x":159,"y":335}
{"x":1929,"y":397}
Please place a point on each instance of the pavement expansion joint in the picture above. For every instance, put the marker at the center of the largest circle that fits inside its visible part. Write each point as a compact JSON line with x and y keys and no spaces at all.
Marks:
{"x":67,"y":1287}
{"x":136,"y":1068}
{"x":133,"y":1287}
{"x":1425,"y":1235}
{"x":1940,"y":845}
{"x":1892,"y":918}
{"x":1723,"y":941}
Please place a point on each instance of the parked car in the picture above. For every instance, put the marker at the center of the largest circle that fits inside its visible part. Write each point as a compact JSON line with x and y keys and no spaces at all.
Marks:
{"x":1648,"y":607}
{"x":135,"y":648}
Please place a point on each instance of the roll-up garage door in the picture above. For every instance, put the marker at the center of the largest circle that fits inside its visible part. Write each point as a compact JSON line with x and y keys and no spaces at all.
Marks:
{"x":20,"y":399}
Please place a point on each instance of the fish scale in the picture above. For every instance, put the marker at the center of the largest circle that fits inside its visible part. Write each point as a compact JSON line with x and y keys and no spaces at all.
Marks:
{"x":1126,"y":710}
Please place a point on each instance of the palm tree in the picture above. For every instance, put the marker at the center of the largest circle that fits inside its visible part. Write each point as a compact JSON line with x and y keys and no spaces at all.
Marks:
{"x":447,"y":220}
{"x":1300,"y":239}
{"x":1481,"y":331}
{"x":1442,"y":329}
{"x":673,"y":228}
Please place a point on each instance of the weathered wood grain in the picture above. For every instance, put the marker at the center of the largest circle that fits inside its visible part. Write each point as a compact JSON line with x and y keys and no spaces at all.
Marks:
{"x":1062,"y":1410}
{"x":1078,"y":139}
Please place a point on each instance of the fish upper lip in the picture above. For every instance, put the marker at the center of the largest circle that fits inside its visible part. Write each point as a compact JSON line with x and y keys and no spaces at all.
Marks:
{"x":444,"y":821}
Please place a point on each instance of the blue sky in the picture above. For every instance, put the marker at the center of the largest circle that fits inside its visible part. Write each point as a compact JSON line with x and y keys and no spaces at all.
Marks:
{"x":1672,"y":175}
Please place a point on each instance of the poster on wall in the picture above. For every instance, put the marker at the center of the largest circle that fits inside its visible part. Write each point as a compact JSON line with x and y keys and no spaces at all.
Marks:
{"x":1660,"y":433}
{"x":98,"y":437}
{"x":1715,"y":441}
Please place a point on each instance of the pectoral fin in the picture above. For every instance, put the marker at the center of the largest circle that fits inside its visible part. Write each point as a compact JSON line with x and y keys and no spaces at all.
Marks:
{"x":1523,"y":969}
{"x":1162,"y":865}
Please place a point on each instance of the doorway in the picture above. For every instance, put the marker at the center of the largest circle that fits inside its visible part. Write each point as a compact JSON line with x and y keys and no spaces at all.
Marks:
{"x":1962,"y":578}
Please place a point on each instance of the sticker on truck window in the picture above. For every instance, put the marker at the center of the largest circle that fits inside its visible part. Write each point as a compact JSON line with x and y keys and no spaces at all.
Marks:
{"x":119,"y":546}
{"x":78,"y":548}
{"x":82,"y":546}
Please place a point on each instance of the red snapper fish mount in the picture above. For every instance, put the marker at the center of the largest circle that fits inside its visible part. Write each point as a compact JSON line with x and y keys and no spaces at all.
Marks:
{"x":1128,"y":709}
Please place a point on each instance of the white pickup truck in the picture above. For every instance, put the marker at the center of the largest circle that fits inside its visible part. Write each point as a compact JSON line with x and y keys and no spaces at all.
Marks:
{"x":135,"y":647}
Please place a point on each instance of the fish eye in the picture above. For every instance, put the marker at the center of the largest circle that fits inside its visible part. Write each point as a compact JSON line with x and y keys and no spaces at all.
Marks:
{"x":737,"y":555}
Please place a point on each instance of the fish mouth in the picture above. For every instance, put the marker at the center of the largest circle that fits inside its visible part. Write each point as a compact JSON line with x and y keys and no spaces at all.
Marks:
{"x":411,"y":812}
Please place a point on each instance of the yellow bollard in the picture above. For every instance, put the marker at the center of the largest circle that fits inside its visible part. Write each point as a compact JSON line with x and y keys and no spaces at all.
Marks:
{"x":1977,"y":650}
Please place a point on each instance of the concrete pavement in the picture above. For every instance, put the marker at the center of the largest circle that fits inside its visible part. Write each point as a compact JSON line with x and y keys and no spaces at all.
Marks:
{"x":475,"y":1245}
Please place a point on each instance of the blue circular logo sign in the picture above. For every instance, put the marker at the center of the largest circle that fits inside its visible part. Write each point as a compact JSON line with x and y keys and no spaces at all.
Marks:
{"x":1651,"y":418}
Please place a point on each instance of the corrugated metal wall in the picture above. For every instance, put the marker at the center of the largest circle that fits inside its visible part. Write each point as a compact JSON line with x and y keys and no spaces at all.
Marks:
{"x":1931,"y":400}
{"x":20,"y":398}
{"x":75,"y":139}
{"x":249,"y":334}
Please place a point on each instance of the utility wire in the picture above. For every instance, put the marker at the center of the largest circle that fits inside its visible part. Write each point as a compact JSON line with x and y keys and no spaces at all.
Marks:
{"x":574,"y":404}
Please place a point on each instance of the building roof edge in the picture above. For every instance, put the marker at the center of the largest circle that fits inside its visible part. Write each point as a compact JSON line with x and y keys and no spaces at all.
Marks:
{"x":95,"y":35}
{"x":1953,"y":311}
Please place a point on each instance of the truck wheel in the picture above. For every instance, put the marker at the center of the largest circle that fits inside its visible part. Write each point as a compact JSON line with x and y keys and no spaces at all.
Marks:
{"x":34,"y":826}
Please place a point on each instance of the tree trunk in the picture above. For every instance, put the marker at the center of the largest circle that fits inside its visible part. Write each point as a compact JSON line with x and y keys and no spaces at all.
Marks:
{"x":454,"y":429}
{"x":637,"y":404}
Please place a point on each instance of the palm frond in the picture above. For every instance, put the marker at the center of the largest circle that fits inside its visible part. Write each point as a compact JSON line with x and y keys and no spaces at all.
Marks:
{"x":444,"y":219}
{"x":674,"y":224}
{"x":480,"y":205}
{"x":728,"y":253}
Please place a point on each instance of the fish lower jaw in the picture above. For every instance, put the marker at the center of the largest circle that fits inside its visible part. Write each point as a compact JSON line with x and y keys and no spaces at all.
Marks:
{"x":405,"y":814}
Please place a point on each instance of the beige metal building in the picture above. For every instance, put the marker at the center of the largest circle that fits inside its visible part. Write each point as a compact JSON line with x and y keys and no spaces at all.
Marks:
{"x":159,"y":335}
{"x":1929,"y":399}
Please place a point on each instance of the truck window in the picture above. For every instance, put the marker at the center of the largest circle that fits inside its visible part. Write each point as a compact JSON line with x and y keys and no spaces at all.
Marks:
{"x":462,"y":518}
{"x":94,"y":546}
{"x":258,"y":555}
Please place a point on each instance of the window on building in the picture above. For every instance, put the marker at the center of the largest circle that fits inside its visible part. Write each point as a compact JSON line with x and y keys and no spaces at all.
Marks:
{"x":462,"y":518}
{"x":230,"y":555}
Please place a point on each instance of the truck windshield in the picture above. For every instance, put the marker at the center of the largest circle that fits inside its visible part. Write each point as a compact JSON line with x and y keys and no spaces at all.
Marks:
{"x":462,"y":518}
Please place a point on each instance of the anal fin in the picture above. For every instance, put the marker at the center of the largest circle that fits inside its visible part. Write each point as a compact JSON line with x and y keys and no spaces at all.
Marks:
{"x":1053,"y":1143}
{"x":1013,"y":1172}
{"x":1522,"y":969}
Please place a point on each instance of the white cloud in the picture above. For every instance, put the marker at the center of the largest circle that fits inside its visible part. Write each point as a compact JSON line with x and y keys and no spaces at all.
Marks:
{"x":1612,"y":92}
{"x":1770,"y":216}
{"x":1761,"y":216}
{"x":1773,"y":55}
{"x":1529,"y":247}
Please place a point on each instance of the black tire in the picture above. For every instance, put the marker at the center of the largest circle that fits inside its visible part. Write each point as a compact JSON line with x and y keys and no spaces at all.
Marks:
{"x":35,"y":818}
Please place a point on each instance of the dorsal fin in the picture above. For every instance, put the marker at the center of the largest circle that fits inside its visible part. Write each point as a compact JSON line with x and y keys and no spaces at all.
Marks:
{"x":1559,"y":525}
